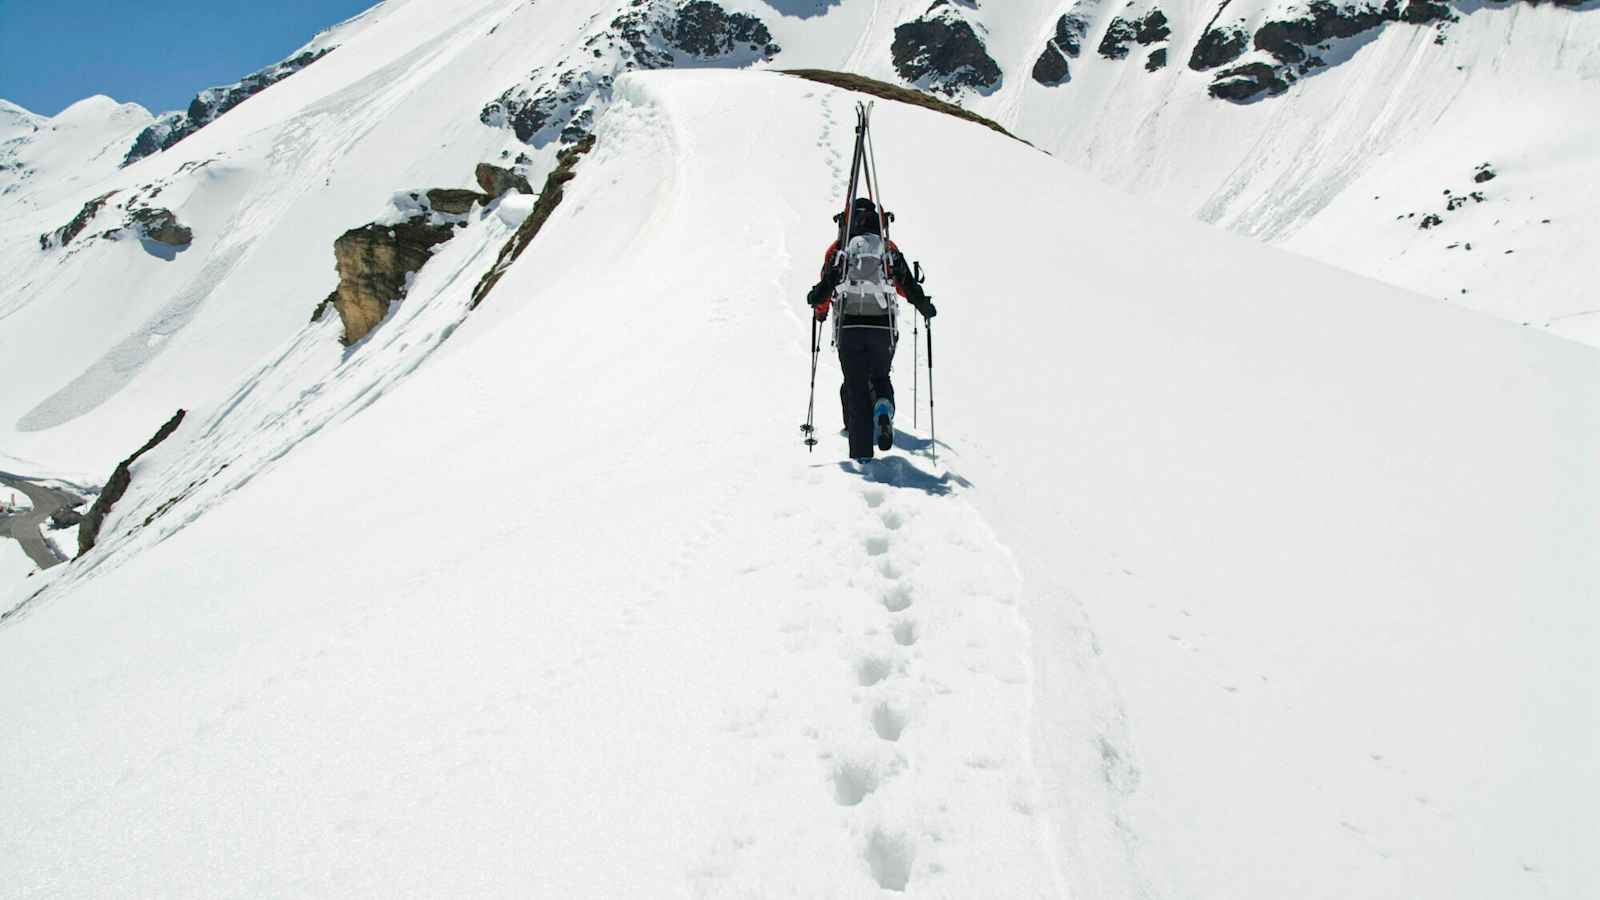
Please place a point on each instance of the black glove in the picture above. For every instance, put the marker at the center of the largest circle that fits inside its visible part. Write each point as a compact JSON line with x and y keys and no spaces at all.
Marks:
{"x":816,"y":295}
{"x":928,"y":309}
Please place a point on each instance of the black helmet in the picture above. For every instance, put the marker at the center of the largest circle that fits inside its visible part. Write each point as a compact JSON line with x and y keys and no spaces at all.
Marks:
{"x":863,"y":217}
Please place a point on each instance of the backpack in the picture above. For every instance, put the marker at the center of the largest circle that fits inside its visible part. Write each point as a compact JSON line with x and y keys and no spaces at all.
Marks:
{"x":866,"y":288}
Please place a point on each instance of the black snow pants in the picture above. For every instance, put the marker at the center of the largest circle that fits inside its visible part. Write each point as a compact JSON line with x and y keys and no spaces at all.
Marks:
{"x":865,"y":355}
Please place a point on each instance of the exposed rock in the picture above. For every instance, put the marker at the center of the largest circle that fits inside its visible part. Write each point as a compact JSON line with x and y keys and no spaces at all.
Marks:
{"x":941,"y":52}
{"x":1114,"y":44}
{"x":561,"y":102}
{"x":1295,"y":45}
{"x":160,"y":225}
{"x":455,"y":202}
{"x":1246,"y":82}
{"x":65,"y":517}
{"x":1052,"y":67}
{"x":898,"y":93}
{"x":1484,"y":173}
{"x":1430,"y":220}
{"x":121,"y":477}
{"x":1218,"y":47}
{"x":549,"y":198}
{"x":706,"y":30}
{"x":63,"y":236}
{"x":1151,"y":29}
{"x":1156,"y":60}
{"x":211,"y":103}
{"x":1286,"y":40}
{"x":496,"y":181}
{"x":374,"y":262}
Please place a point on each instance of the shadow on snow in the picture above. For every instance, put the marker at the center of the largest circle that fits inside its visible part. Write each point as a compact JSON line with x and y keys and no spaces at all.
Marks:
{"x":897,"y":471}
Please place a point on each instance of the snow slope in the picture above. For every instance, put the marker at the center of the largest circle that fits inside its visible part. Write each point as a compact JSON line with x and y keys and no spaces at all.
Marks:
{"x":1331,"y":168}
{"x":1218,"y":590}
{"x":102,"y":339}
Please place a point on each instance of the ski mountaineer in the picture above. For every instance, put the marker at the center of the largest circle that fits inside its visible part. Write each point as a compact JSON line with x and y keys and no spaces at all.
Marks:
{"x":866,"y":280}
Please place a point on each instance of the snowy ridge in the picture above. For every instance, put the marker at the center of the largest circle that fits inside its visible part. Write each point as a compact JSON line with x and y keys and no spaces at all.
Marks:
{"x":172,"y":127}
{"x":1082,"y":657}
{"x":43,"y":160}
{"x":660,"y":34}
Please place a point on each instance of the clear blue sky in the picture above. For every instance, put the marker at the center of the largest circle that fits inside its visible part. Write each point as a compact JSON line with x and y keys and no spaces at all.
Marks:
{"x":157,"y":54}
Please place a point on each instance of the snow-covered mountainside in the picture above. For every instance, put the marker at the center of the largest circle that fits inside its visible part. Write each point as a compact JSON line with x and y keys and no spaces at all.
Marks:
{"x":43,"y":160}
{"x":1238,"y":575}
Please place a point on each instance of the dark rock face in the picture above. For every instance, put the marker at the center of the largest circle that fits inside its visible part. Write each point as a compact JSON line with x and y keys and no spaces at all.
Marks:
{"x":560,"y":103}
{"x":66,"y":517}
{"x":121,"y":477}
{"x":1156,"y":60}
{"x":554,"y":190}
{"x":1114,"y":45}
{"x":706,"y":30}
{"x":1295,"y":45}
{"x":496,"y":181}
{"x":1152,"y":29}
{"x":63,"y":236}
{"x":1286,"y":40}
{"x":1218,"y":47}
{"x":1484,"y":173}
{"x":161,"y":226}
{"x":1052,"y":68}
{"x":455,"y":202}
{"x":1247,"y":82}
{"x":211,"y":103}
{"x":943,"y":54}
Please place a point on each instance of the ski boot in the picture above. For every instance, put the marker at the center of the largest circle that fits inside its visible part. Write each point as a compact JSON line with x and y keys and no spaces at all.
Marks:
{"x":883,"y":415}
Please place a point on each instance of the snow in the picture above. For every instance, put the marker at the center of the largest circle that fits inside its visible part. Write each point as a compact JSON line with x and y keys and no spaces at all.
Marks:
{"x":64,"y":540}
{"x":45,"y":161}
{"x":1217,"y":590}
{"x":14,"y":564}
{"x":12,"y":500}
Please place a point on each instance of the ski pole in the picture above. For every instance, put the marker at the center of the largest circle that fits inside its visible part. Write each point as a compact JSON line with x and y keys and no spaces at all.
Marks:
{"x":809,"y":428}
{"x":933,"y":432}
{"x":916,"y":367}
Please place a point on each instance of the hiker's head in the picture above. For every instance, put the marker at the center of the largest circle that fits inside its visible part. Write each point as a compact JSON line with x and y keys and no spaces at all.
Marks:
{"x":864,"y":218}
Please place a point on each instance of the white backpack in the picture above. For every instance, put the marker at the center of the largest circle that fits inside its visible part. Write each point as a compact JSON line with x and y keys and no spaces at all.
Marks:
{"x":867,"y":288}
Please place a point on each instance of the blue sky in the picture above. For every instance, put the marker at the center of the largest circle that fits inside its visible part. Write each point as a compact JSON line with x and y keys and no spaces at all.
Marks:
{"x":154,"y":54}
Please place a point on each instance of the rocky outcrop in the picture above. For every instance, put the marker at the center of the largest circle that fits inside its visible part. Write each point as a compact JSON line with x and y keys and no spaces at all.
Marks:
{"x":1297,"y":46}
{"x":121,"y":477}
{"x":942,"y":52}
{"x":496,"y":181}
{"x":1484,"y":172}
{"x":211,"y":103}
{"x":1218,"y":46}
{"x":561,"y":103}
{"x":1052,"y":67}
{"x":862,"y":84}
{"x":375,"y":262}
{"x":454,"y":202}
{"x":549,"y":198}
{"x":1151,"y":29}
{"x":705,"y":30}
{"x":1156,"y":60}
{"x":159,"y":225}
{"x":64,"y":235}
{"x":1246,"y":82}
